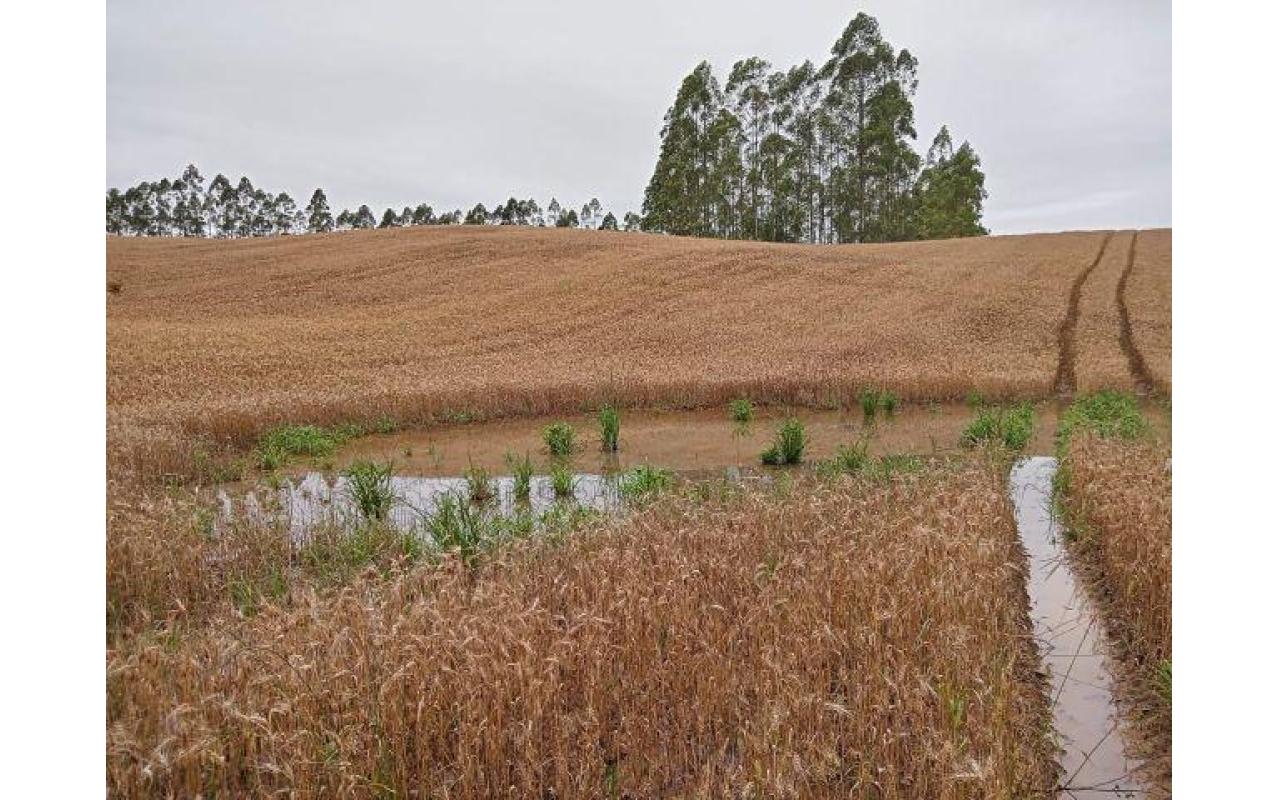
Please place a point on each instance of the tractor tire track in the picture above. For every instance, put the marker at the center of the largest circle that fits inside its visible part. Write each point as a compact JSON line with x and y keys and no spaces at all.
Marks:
{"x":1065,"y":380}
{"x":1137,"y":364}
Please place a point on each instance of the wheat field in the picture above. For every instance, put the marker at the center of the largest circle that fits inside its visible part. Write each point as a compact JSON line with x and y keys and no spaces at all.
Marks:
{"x":1119,"y":498}
{"x":218,"y":339}
{"x":860,"y":638}
{"x":824,"y":637}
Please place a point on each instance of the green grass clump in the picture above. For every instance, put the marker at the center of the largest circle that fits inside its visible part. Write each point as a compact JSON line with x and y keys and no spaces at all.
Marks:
{"x":562,"y":481}
{"x":851,"y":459}
{"x":869,"y":399}
{"x":644,"y":481}
{"x":369,"y":486}
{"x":1011,"y":428}
{"x":479,"y":486}
{"x":522,"y":472}
{"x":279,"y":444}
{"x":741,"y":411}
{"x":888,"y":402}
{"x":560,"y":439}
{"x":1108,"y":414}
{"x":610,"y":422}
{"x":459,"y":527}
{"x":788,"y":444}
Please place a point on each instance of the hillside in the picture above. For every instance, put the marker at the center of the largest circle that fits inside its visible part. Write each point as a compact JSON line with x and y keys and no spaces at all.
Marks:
{"x":223,"y":337}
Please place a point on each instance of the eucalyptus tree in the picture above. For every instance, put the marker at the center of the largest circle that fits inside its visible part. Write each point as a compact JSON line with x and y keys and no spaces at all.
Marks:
{"x":679,"y":198}
{"x":950,"y":191}
{"x":477,"y":215}
{"x":363,"y":218}
{"x":422,"y":215}
{"x":609,"y":223}
{"x":319,"y":217}
{"x":283,"y":213}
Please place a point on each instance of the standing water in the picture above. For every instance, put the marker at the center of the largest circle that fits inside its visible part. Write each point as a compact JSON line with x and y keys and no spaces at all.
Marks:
{"x":1068,"y":631}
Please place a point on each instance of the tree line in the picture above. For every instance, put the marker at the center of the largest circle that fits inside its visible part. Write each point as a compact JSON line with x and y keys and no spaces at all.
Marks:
{"x":185,"y":207}
{"x":811,"y":153}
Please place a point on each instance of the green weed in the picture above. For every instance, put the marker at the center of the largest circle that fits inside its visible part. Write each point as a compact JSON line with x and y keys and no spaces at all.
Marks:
{"x":644,"y":480}
{"x":869,"y":399}
{"x":479,"y":485}
{"x":1010,"y":428}
{"x":369,"y":486}
{"x":560,"y":439}
{"x":522,"y":472}
{"x":562,"y":480}
{"x":1108,"y":414}
{"x":610,"y":422}
{"x":888,"y":402}
{"x":788,"y":444}
{"x":741,"y":411}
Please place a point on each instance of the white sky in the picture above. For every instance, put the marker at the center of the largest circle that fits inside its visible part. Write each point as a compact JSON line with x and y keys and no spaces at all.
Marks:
{"x":396,"y":103}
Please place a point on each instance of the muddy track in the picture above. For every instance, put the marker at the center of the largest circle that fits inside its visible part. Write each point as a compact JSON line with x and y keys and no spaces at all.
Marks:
{"x":1065,"y":380}
{"x":1137,"y":365}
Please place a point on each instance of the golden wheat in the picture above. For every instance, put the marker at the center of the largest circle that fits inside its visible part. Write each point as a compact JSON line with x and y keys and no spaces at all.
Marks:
{"x":217,"y":339}
{"x":1119,"y":499}
{"x":854,"y":639}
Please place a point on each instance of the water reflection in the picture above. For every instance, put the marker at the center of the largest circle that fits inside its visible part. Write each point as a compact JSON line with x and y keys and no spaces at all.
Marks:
{"x":316,"y":498}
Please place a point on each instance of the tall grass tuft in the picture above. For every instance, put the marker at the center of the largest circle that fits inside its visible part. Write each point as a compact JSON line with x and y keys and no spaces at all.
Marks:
{"x":560,"y":439}
{"x":741,"y":411}
{"x":610,"y":422}
{"x":562,"y":480}
{"x":645,"y":481}
{"x":479,"y":485}
{"x":522,"y":474}
{"x":459,"y":527}
{"x":1009,"y":428}
{"x":888,"y":402}
{"x":788,"y":444}
{"x":850,"y":459}
{"x":869,"y":399}
{"x":369,"y":487}
{"x":1109,"y":414}
{"x":279,"y":444}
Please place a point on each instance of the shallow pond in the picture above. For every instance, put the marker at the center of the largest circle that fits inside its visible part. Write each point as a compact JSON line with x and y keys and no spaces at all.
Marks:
{"x":683,"y":441}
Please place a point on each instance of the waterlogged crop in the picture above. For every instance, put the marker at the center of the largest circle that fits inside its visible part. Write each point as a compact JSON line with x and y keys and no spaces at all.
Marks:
{"x":521,"y":473}
{"x":644,"y":481}
{"x":788,"y":444}
{"x":560,"y":439}
{"x":1011,"y":428}
{"x":370,"y":489}
{"x":610,"y":422}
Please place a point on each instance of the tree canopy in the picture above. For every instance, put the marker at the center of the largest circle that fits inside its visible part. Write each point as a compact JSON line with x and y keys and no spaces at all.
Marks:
{"x":810,"y":153}
{"x":185,"y":207}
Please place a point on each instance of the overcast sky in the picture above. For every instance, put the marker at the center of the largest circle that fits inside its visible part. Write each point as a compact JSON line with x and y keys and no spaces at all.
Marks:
{"x":396,"y":103}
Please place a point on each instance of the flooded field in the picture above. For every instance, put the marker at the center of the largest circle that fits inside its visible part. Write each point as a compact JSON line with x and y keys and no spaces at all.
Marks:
{"x":680,"y":440}
{"x":1071,"y":644}
{"x":318,"y":499}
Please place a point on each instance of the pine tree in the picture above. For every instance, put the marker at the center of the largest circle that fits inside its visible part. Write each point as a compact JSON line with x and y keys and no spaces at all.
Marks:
{"x":363,"y":218}
{"x":609,"y":223}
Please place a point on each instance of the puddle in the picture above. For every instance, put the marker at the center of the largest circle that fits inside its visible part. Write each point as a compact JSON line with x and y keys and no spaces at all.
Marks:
{"x":1071,"y":647}
{"x":316,"y":498}
{"x":682,"y":441}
